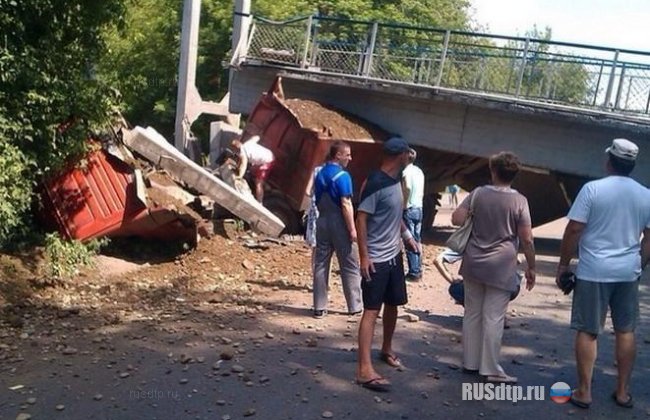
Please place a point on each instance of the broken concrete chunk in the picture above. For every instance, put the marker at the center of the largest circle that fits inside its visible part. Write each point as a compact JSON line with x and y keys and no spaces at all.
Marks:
{"x":150,"y":144}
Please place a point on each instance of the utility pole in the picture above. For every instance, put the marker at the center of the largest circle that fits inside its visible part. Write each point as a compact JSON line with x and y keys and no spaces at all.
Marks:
{"x":187,"y":71}
{"x":189,"y":104}
{"x":241,"y":25}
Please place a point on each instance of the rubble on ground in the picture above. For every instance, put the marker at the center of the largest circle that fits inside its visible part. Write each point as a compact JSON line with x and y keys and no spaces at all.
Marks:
{"x":144,"y":187}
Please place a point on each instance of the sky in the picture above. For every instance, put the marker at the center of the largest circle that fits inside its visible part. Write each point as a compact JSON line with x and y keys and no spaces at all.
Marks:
{"x":623,"y":24}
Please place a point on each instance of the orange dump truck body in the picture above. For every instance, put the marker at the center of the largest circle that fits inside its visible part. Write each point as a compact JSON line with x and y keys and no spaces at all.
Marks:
{"x":300,"y":134}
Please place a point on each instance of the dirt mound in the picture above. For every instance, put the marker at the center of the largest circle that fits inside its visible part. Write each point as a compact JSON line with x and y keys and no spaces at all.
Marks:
{"x":335,"y":123}
{"x":219,"y":268}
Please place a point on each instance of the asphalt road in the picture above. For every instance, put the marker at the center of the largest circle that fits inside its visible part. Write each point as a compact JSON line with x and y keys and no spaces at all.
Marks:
{"x":271,"y":360}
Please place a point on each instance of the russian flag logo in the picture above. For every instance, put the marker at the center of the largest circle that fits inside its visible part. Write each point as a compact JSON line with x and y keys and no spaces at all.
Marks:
{"x":560,"y":392}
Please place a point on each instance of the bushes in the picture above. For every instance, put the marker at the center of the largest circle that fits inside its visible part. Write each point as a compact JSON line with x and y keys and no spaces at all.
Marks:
{"x":15,"y":190}
{"x":50,"y":99}
{"x":64,"y":258}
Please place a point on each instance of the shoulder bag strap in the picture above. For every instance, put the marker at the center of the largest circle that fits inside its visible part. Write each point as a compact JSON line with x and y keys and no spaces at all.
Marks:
{"x":339,"y":174}
{"x":331,"y":181}
{"x":471,"y":201}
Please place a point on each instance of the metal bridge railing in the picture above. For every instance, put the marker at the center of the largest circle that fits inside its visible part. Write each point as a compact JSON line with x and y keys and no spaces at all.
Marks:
{"x":547,"y":71}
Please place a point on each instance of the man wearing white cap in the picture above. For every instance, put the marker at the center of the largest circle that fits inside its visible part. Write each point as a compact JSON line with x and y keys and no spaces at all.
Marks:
{"x":606,"y":222}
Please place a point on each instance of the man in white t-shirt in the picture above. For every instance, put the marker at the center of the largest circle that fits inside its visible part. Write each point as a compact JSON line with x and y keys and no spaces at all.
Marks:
{"x":260,"y":159}
{"x":413,"y":188}
{"x":606,"y":222}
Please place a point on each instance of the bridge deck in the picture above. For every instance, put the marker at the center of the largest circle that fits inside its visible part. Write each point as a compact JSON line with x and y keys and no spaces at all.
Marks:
{"x":560,"y":138}
{"x":538,"y":70}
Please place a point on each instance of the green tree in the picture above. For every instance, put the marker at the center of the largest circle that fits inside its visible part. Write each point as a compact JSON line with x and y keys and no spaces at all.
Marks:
{"x":570,"y":83}
{"x":49,"y":95}
{"x":448,"y":14}
{"x":549,"y":74}
{"x":143,"y":56}
{"x":141,"y":60}
{"x":476,"y":63}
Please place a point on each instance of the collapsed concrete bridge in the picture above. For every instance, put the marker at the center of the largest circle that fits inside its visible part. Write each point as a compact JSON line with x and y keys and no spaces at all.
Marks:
{"x":456,"y":127}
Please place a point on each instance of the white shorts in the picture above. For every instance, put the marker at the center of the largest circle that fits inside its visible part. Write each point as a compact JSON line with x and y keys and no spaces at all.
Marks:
{"x":449,"y":256}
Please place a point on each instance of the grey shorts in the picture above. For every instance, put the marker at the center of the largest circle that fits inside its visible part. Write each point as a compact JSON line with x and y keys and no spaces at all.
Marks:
{"x":591,"y":300}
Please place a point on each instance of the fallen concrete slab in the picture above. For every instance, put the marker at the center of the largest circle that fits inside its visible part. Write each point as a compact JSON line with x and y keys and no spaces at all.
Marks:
{"x":154,"y":147}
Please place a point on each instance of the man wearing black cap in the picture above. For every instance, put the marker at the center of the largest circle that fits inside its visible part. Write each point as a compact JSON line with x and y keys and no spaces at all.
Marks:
{"x":605,"y":222}
{"x":380,"y":232}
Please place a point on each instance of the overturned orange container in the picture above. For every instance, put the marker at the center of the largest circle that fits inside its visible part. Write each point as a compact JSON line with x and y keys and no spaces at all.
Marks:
{"x":101,"y":199}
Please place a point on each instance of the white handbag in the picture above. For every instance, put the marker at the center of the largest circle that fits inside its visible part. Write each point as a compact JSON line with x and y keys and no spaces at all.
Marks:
{"x":458,"y":240}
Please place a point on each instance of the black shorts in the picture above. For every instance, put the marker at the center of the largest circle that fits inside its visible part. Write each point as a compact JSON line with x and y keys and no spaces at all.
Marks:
{"x":386,"y":285}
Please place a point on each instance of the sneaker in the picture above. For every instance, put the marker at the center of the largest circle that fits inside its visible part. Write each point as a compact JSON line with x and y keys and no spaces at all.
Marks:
{"x":319,"y":313}
{"x":414,"y":277}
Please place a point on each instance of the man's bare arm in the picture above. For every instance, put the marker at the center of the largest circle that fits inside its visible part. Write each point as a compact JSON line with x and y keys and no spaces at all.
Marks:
{"x":243,"y":164}
{"x":525,"y":234}
{"x":645,"y":248}
{"x":406,"y":192}
{"x":408,"y":238}
{"x":569,"y":246}
{"x":348,"y":215}
{"x":459,"y":216}
{"x":364,"y":259}
{"x":442,"y":269}
{"x":309,"y":189}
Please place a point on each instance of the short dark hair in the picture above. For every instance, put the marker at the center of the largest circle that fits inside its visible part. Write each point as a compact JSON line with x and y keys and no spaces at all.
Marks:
{"x":505,"y":165}
{"x":336,"y":147}
{"x":621,"y":166}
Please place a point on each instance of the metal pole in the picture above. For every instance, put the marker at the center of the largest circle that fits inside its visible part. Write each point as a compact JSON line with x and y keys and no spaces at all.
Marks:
{"x":600,"y":75}
{"x":314,"y":44}
{"x":415,"y":70}
{"x":477,"y":76}
{"x":428,"y":73}
{"x":307,"y":39}
{"x":620,"y":88}
{"x":481,"y":75}
{"x":647,"y":103}
{"x":610,"y":85}
{"x":531,"y":79}
{"x":523,"y":67}
{"x":443,"y":57}
{"x":550,"y":79}
{"x":511,"y":70}
{"x":371,"y":50}
{"x":629,"y":90}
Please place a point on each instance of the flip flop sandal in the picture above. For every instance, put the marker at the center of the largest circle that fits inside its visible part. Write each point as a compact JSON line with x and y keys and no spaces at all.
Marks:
{"x":627,"y":404}
{"x":580,"y":404}
{"x":374,"y":384}
{"x":390,"y":360}
{"x":496,"y":379}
